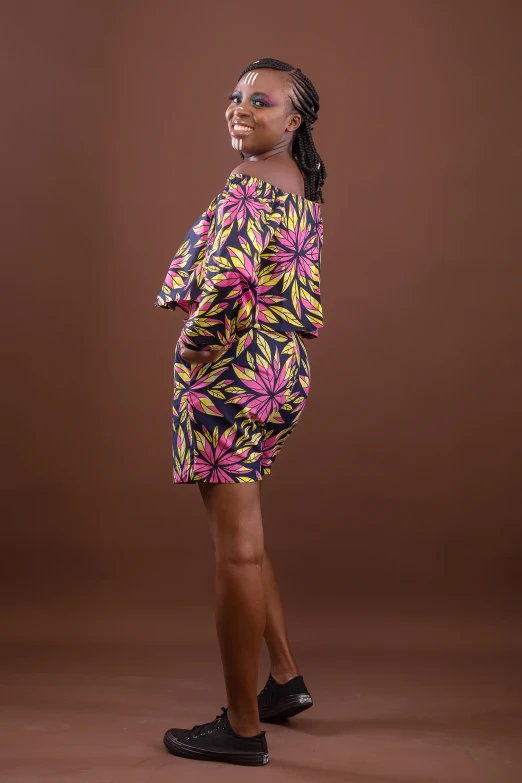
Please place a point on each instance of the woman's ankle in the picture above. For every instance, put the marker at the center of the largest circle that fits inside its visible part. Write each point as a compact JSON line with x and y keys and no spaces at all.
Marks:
{"x":243,"y":728}
{"x":283,"y":674}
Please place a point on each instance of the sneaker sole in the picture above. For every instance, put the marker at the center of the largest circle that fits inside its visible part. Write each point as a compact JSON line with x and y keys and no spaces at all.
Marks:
{"x":287,"y":707}
{"x":178,"y":748}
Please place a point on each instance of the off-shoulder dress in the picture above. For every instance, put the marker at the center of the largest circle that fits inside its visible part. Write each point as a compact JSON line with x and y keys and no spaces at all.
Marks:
{"x":248,"y":276}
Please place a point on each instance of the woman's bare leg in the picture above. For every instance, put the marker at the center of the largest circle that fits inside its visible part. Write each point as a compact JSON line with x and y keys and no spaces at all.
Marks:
{"x":282,"y":662}
{"x":235,"y":513}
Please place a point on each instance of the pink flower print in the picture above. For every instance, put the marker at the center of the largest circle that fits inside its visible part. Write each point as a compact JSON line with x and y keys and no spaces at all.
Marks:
{"x":241,"y":279}
{"x":298,"y":251}
{"x":243,"y":201}
{"x":320,"y":228}
{"x":191,"y":385}
{"x":186,"y":261}
{"x":176,"y":275}
{"x":216,"y":461}
{"x":265,"y":302}
{"x":268,"y":388}
{"x":271,"y":445}
{"x":181,"y":466}
{"x":301,"y":399}
{"x":300,"y":390}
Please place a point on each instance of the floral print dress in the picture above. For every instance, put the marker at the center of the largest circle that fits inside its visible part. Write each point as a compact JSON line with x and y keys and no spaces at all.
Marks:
{"x":248,"y":276}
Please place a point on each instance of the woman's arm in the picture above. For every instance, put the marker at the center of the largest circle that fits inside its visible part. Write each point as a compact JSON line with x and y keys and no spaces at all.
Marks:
{"x":246,"y":220}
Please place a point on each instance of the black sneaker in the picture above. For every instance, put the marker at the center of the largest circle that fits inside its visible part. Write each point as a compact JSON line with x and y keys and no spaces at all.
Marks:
{"x":217,"y":741}
{"x":277,"y":702}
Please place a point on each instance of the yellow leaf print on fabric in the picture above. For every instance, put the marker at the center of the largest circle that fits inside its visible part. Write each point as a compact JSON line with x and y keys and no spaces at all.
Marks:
{"x":248,"y":276}
{"x":247,"y":259}
{"x":265,"y":348}
{"x":312,"y":304}
{"x":292,"y":217}
{"x":287,"y":315}
{"x":244,"y":373}
{"x":295,"y":297}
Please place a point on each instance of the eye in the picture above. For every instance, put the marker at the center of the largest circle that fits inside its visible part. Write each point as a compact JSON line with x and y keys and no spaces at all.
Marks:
{"x":235,"y":97}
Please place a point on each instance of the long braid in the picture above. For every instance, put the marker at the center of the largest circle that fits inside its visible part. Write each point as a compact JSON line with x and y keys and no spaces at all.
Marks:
{"x":305,"y":100}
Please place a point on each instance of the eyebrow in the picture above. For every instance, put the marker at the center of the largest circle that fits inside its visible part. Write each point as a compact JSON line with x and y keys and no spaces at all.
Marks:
{"x":256,"y":94}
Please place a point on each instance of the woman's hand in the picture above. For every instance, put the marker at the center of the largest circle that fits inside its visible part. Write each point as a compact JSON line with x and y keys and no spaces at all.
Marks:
{"x":201,"y":357}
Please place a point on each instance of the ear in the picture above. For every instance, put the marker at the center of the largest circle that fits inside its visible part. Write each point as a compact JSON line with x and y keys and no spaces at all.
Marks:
{"x":293,"y":122}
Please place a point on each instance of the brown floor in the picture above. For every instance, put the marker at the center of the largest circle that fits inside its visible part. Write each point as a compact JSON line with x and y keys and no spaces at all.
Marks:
{"x":417,"y":703}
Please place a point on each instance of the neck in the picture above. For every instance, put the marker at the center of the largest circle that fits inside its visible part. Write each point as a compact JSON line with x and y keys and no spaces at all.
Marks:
{"x":281,"y":150}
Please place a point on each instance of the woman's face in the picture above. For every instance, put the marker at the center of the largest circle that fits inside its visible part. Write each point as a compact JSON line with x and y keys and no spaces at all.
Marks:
{"x":260,"y":116}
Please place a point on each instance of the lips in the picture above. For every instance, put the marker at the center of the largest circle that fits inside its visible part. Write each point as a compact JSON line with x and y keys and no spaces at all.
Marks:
{"x":240,"y":129}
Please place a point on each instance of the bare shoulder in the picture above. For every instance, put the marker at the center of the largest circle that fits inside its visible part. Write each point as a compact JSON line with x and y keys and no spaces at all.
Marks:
{"x":284,"y":177}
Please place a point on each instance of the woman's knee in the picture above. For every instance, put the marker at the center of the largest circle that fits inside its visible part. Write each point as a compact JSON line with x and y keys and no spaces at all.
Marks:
{"x":239,"y":551}
{"x":236,"y":523}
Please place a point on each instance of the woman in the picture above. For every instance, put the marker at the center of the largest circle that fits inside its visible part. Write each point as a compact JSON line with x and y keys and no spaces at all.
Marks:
{"x":247,"y":274}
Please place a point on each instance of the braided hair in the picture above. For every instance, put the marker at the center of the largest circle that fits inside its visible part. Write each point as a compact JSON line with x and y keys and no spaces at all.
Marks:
{"x":305,"y":100}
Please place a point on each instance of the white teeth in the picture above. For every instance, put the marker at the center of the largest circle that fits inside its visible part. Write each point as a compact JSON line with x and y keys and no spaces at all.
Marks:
{"x":241,"y":127}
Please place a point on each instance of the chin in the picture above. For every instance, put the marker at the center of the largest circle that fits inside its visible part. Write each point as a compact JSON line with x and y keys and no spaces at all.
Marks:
{"x":244,"y":149}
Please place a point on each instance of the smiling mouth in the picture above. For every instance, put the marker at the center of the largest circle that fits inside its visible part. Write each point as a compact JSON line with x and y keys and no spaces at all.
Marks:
{"x":238,"y":129}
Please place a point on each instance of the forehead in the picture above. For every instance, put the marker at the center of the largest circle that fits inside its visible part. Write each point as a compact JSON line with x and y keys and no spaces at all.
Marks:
{"x":264,"y":80}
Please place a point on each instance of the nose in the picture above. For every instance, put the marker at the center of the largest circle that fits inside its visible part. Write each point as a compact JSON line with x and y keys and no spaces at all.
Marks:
{"x":237,"y":113}
{"x":238,"y":109}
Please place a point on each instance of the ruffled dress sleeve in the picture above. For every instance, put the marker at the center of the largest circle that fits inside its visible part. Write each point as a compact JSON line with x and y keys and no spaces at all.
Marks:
{"x":246,"y":217}
{"x":185,"y":277}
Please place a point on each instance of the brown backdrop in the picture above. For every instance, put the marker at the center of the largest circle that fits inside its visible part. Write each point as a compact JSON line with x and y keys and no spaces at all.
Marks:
{"x":399,"y":493}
